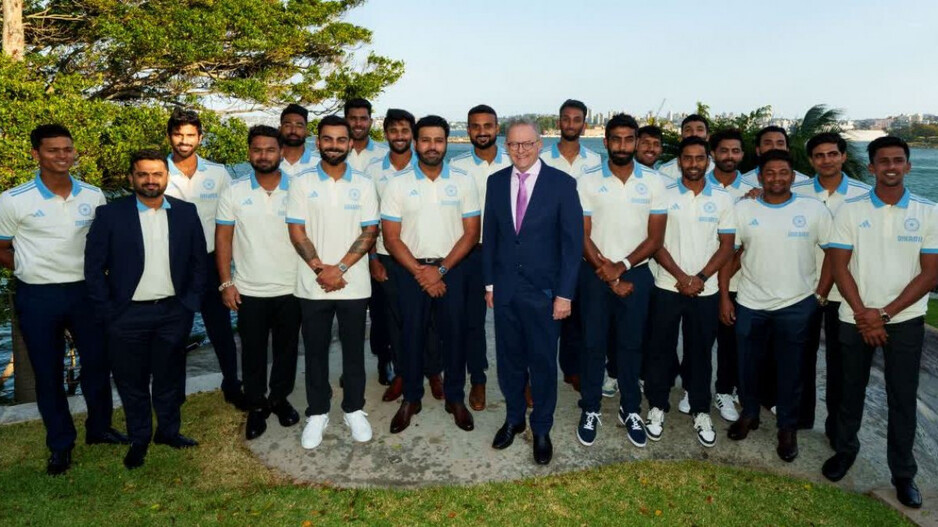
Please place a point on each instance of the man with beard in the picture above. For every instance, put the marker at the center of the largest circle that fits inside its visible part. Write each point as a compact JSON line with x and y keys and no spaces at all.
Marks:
{"x":293,"y":134}
{"x":364,"y":149}
{"x":649,"y":149}
{"x":145,"y":268}
{"x":576,"y":160}
{"x":776,"y":235}
{"x":332,"y":217}
{"x":692,"y":126}
{"x":884,"y":257}
{"x":430,"y":219}
{"x":770,"y":138}
{"x":201,"y":182}
{"x":697,"y":242}
{"x":827,"y":153}
{"x":250,"y":232}
{"x":624,"y":217}
{"x":485,"y":158}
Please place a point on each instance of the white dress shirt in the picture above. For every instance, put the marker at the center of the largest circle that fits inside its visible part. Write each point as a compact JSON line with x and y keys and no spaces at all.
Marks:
{"x":156,"y":281}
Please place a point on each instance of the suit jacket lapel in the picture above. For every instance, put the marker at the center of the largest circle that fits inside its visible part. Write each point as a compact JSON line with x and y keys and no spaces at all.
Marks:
{"x":136,"y":230}
{"x":175,"y":230}
{"x":533,"y":199}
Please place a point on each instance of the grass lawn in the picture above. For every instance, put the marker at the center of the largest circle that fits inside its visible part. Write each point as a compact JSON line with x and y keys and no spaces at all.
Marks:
{"x":220,"y":482}
{"x":931,"y":316}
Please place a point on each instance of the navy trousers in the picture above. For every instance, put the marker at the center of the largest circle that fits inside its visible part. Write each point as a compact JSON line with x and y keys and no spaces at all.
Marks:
{"x":727,"y":357}
{"x":827,"y":318}
{"x":601,"y":308}
{"x":526,"y":347}
{"x":432,"y":363}
{"x":788,"y":330}
{"x":217,"y":319}
{"x":476,"y":359}
{"x":45,"y":312}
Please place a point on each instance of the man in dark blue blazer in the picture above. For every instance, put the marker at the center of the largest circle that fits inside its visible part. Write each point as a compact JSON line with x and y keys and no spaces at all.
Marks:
{"x":533,"y":232}
{"x":145,"y":269}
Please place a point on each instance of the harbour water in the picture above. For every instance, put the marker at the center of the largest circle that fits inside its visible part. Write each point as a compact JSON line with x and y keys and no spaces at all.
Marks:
{"x":923,"y":180}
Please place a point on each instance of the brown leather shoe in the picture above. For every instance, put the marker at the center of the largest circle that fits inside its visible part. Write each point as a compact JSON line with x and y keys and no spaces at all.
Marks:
{"x":402,"y":418}
{"x":461,"y":415}
{"x":740,"y":429}
{"x":394,"y":390}
{"x":477,"y":397}
{"x":436,"y":386}
{"x":527,"y":396}
{"x":787,"y":448}
{"x":572,"y":380}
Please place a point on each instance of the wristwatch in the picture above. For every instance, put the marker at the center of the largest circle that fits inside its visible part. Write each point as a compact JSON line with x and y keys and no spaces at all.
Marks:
{"x":821,"y":300}
{"x":884,"y":315}
{"x":342,"y":267}
{"x":443,"y":270}
{"x":702,"y":276}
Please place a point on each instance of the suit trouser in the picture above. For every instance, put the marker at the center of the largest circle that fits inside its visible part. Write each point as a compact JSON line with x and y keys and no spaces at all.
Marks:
{"x":902,"y":355}
{"x":827,"y":318}
{"x":571,"y":341}
{"x":600,"y":309}
{"x":476,"y":359}
{"x":379,"y":337}
{"x":317,"y":335}
{"x":526,"y":348}
{"x":260,"y":318}
{"x":432,"y":363}
{"x":45,"y":312}
{"x":146,"y":342}
{"x":727,"y":356}
{"x":448,"y":313}
{"x":697,"y":319}
{"x":788,"y":329}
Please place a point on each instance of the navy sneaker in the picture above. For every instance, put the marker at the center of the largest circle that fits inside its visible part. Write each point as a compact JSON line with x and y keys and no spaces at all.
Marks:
{"x":586,"y":430}
{"x":634,"y":427}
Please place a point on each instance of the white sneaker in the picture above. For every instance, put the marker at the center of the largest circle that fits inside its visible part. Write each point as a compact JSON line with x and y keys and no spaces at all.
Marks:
{"x":359,"y":425}
{"x":773,"y":411}
{"x":684,"y":405}
{"x":704,"y":427}
{"x":654,"y":424}
{"x":724,"y":403}
{"x":312,"y":433}
{"x":610,"y":386}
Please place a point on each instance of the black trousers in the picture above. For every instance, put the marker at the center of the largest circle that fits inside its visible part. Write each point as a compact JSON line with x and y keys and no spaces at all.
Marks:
{"x":145,"y":343}
{"x":727,"y":357}
{"x":45,"y":311}
{"x":317,"y":335}
{"x":259,"y":319}
{"x":476,"y":360}
{"x":432,"y":364}
{"x":902,"y":355}
{"x":825,"y":317}
{"x":571,"y":341}
{"x":697,"y":318}
{"x":379,"y":336}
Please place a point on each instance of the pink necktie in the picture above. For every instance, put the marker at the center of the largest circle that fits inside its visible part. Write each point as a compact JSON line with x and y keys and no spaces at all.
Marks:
{"x":522,"y":202}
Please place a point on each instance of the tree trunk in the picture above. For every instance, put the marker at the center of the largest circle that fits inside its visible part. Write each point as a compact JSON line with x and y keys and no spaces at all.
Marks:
{"x":24,"y":381}
{"x":14,"y":43}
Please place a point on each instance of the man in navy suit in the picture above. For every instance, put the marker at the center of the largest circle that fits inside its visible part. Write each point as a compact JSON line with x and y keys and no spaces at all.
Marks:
{"x":533,"y":231}
{"x":145,"y":269}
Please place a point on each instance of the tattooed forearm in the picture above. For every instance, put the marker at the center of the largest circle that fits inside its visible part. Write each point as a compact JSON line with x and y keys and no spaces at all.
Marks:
{"x":305,"y":249}
{"x":365,"y":241}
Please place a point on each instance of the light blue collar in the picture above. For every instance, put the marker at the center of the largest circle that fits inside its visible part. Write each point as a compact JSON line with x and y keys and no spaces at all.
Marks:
{"x":323,"y":176}
{"x":419,"y":173}
{"x":712,"y":179}
{"x":707,"y":190}
{"x":174,"y":171}
{"x":284,"y":182}
{"x":499,"y":151}
{"x":386,"y":164}
{"x":555,"y":152}
{"x":371,"y":145}
{"x":779,"y":205}
{"x":48,"y":194}
{"x":143,"y":208}
{"x":841,"y":188}
{"x":637,"y":170}
{"x":902,"y":204}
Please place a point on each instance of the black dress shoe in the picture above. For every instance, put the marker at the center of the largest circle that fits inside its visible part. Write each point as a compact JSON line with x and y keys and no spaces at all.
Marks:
{"x":285,"y":412}
{"x":506,"y":435}
{"x":543,"y":449}
{"x":907,"y":492}
{"x":110,"y":437}
{"x":787,"y":448}
{"x":837,"y":466}
{"x":740,"y":429}
{"x":59,"y":462}
{"x":401,"y":419}
{"x":257,"y":423}
{"x":236,"y":399}
{"x":461,"y":416}
{"x":179,"y":441}
{"x":135,"y":456}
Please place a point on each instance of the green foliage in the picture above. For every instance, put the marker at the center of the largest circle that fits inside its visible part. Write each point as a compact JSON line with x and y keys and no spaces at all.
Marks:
{"x":918,"y":134}
{"x":249,"y":52}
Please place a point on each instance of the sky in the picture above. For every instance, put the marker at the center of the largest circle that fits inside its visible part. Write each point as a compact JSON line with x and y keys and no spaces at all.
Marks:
{"x":870,"y":58}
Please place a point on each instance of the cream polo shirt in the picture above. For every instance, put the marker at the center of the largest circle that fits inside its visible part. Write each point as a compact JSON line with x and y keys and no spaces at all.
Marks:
{"x":202,"y":190}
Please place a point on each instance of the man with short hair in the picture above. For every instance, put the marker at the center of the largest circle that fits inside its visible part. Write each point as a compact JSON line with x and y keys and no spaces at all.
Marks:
{"x":770,"y":138}
{"x":884,"y":257}
{"x":649,"y":148}
{"x":430,"y":220}
{"x":485,"y":158}
{"x":699,"y":236}
{"x":364,"y":149}
{"x":827,"y":152}
{"x":293,"y":134}
{"x":624,"y":217}
{"x":693,"y":125}
{"x":144,"y":263}
{"x":250,"y":233}
{"x":533,"y":246}
{"x":332,"y":217}
{"x":201,"y":182}
{"x":776,"y":235}
{"x":43,"y":225}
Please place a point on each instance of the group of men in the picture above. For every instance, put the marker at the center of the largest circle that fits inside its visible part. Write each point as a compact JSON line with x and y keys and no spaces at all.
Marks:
{"x":596,"y":265}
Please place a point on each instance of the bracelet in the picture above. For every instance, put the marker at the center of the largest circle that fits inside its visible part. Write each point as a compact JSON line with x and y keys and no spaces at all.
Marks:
{"x":225,"y":285}
{"x":627,"y":263}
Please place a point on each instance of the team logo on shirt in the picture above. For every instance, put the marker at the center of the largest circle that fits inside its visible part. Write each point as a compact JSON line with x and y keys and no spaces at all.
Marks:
{"x":710,"y":207}
{"x":208,"y":184}
{"x":354,"y":194}
{"x":641,"y":189}
{"x":248,"y":201}
{"x":414,"y":192}
{"x":799,"y":221}
{"x":866,"y":224}
{"x":84,"y":209}
{"x":451,"y":191}
{"x":912,"y":224}
{"x":603,"y":189}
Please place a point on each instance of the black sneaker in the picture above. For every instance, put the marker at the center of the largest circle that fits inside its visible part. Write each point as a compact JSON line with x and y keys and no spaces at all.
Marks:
{"x":634,"y":427}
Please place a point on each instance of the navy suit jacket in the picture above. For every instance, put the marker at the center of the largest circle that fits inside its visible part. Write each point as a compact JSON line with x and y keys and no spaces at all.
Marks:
{"x":548,"y":250}
{"x":114,"y":255}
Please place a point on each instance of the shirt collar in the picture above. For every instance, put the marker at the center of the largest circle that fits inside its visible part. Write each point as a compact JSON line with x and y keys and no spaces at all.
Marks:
{"x":347,"y":176}
{"x":48,"y":194}
{"x":499,"y":151}
{"x":370,"y":145}
{"x":284,"y":182}
{"x":841,"y":188}
{"x":707,"y":190}
{"x":143,"y":208}
{"x":555,"y":152}
{"x":712,"y":179}
{"x":902,"y":204}
{"x":386,"y":163}
{"x":174,"y":171}
{"x":419,"y":173}
{"x":638,"y":170}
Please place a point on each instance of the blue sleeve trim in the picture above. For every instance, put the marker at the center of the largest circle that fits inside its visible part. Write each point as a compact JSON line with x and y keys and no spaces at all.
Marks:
{"x":726,"y":231}
{"x":390,"y":218}
{"x":369,"y":223}
{"x":587,"y":213}
{"x":929,"y":251}
{"x":296,"y":221}
{"x":824,"y":246}
{"x":658,"y":211}
{"x":736,"y":246}
{"x":843,"y":246}
{"x":6,"y":238}
{"x":224,"y":222}
{"x":472,"y":214}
